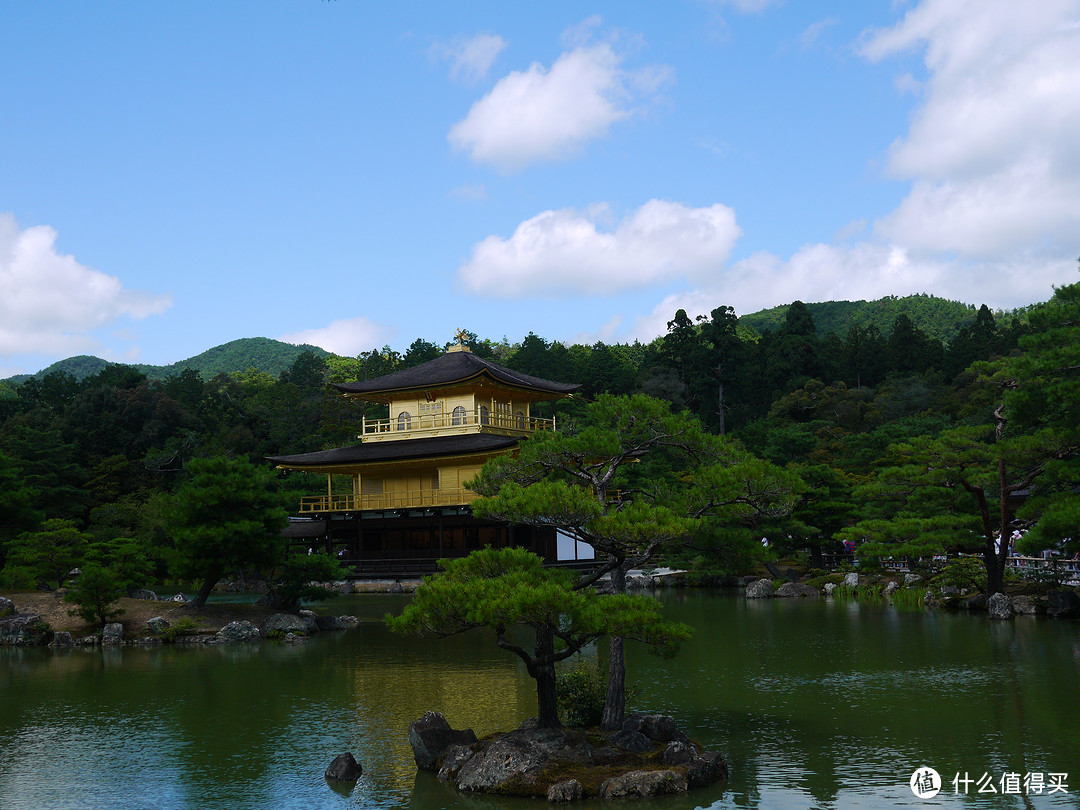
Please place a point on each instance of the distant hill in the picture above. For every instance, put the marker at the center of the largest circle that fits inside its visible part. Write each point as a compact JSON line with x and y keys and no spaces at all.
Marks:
{"x":937,"y":317}
{"x":261,"y":354}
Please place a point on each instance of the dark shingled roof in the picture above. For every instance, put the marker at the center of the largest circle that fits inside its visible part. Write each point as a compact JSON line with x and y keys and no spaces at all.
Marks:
{"x":450,"y":368}
{"x":399,"y":450}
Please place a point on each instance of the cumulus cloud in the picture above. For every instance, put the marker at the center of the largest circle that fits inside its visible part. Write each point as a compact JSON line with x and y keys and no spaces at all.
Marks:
{"x":568,"y":251}
{"x":993,"y":162}
{"x":863,"y":271}
{"x":470,"y":59}
{"x":992,"y":153}
{"x":347,"y":337}
{"x":545,"y":114}
{"x":49,"y":303}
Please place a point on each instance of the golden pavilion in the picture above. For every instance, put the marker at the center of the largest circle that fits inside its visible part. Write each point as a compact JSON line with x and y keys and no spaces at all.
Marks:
{"x":396,"y":502}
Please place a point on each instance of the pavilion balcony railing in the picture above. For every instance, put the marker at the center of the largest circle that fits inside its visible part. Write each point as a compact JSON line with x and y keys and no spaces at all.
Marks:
{"x":413,"y":499}
{"x":431,"y":422}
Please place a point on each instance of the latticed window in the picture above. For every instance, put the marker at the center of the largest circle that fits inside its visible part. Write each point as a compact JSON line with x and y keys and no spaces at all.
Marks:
{"x":519,"y":420}
{"x":485,"y":415}
{"x":404,"y":420}
{"x":457,"y":416}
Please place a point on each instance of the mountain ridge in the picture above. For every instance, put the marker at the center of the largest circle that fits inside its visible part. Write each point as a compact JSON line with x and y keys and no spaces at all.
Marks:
{"x":939,"y":318}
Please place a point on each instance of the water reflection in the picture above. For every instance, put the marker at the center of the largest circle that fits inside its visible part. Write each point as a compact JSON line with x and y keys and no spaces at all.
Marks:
{"x":815,"y":704}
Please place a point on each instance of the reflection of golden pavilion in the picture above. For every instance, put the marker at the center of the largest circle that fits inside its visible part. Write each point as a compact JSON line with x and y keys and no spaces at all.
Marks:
{"x":397,"y":501}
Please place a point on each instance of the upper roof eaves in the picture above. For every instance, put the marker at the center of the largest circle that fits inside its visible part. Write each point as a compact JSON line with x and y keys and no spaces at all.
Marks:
{"x":453,"y":367}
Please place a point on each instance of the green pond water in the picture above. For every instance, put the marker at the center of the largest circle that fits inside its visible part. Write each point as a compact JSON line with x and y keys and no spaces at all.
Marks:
{"x":825,"y":704}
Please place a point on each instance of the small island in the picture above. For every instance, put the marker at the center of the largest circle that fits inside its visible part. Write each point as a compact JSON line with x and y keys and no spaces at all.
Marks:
{"x":648,"y":756}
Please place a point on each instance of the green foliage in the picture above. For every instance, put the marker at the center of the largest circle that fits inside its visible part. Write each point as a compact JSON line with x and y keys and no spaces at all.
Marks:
{"x":299,"y":577}
{"x":909,"y":598}
{"x":718,"y":552}
{"x":262,"y":354}
{"x":500,"y":588}
{"x":50,"y":553}
{"x":17,"y":578}
{"x":227,"y":516}
{"x":962,"y":572}
{"x":93,"y":593}
{"x":840,"y":390}
{"x":582,"y":692}
{"x":126,"y":560}
{"x":939,"y":318}
{"x":184,"y":626}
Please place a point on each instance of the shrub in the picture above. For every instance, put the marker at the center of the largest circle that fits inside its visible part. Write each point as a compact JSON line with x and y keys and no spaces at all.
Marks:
{"x":298,"y":580}
{"x":582,"y":692}
{"x":17,"y":578}
{"x":962,"y":572}
{"x":184,"y":626}
{"x":93,"y":592}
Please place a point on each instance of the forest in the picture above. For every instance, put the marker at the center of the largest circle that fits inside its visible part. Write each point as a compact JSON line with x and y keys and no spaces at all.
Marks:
{"x":909,"y":441}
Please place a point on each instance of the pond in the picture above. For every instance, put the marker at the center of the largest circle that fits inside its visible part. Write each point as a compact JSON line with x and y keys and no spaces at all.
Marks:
{"x":827,"y":704}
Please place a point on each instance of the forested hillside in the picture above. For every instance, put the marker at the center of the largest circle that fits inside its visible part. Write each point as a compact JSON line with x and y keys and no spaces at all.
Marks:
{"x":938,"y":318}
{"x":261,"y":354}
{"x":103,"y":453}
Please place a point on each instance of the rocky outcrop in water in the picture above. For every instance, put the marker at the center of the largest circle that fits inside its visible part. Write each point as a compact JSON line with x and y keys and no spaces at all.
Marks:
{"x":282,"y":623}
{"x":238,"y":632}
{"x":112,"y":635}
{"x":798,"y":589}
{"x":344,"y":768}
{"x":431,"y":736}
{"x":23,"y":631}
{"x":336,"y":622}
{"x":648,"y":756}
{"x":999,"y":606}
{"x":7,"y":608}
{"x":760,"y":589}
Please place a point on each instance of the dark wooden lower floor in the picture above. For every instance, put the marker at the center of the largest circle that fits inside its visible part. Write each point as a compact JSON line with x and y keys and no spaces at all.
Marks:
{"x":395,"y":544}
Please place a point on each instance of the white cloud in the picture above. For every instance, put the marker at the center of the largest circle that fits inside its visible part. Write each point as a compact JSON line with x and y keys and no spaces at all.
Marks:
{"x":545,"y":114}
{"x":993,"y":159}
{"x":864,"y":271}
{"x":49,"y":303}
{"x":470,"y":59}
{"x":566,"y":252}
{"x":812,"y":33}
{"x":347,"y":337}
{"x":992,"y":153}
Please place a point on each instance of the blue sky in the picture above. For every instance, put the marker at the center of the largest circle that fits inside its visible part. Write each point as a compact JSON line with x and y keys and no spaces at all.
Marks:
{"x":177,"y":175}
